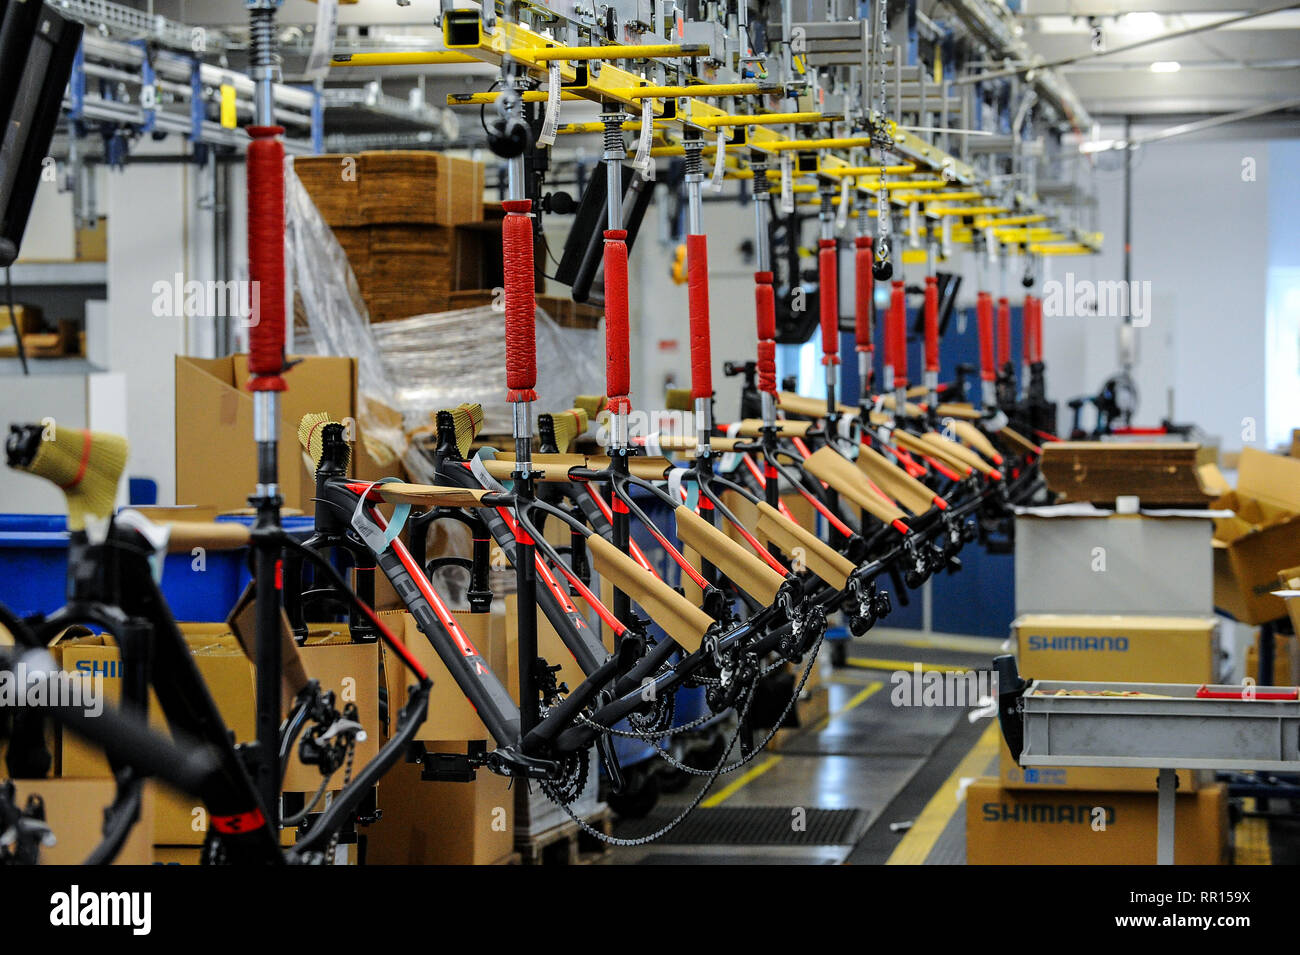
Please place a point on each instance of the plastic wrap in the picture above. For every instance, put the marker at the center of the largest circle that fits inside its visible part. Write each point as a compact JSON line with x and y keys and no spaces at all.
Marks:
{"x":411,"y":368}
{"x":439,"y":360}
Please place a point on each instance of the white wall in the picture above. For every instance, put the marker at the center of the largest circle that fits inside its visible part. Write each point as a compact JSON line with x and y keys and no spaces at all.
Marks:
{"x":156,"y":229}
{"x":1201,"y":237}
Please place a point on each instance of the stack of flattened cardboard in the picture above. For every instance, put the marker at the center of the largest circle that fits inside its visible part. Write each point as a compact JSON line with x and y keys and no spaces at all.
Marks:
{"x":1160,"y":474}
{"x":398,"y":216}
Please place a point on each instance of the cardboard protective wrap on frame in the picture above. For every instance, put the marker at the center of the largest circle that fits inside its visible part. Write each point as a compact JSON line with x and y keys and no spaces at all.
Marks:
{"x":748,"y":571}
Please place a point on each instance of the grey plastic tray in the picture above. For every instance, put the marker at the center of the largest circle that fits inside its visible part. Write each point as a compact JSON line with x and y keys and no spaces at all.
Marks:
{"x":1178,"y":732}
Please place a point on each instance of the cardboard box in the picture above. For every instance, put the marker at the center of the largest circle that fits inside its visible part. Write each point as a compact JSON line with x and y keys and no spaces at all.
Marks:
{"x":1161,"y":474}
{"x":1289,"y":580}
{"x":435,"y":823}
{"x":73,"y":810}
{"x":1117,"y":648}
{"x":351,"y":671}
{"x":1015,"y":827}
{"x":216,"y":462}
{"x":451,"y":715}
{"x":1283,"y":667}
{"x":1099,"y":778}
{"x":549,"y":646}
{"x":1260,"y":539}
{"x":92,"y":242}
{"x":221,"y":663}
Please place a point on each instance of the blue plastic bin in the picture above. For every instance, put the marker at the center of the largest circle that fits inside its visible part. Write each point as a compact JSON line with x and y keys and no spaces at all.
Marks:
{"x":34,"y":568}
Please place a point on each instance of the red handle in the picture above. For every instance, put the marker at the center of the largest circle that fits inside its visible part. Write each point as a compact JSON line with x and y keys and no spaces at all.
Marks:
{"x":697,"y":272}
{"x":828,"y":298}
{"x":931,"y":323}
{"x":521,"y":306}
{"x":1205,"y":693}
{"x":865,"y":289}
{"x":765,"y":307}
{"x":266,"y":258}
{"x":1004,"y":332}
{"x":898,"y":336}
{"x":984,"y":315}
{"x":618,"y":380}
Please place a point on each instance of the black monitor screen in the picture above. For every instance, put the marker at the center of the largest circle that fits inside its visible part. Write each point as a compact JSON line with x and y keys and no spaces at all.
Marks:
{"x":37,"y":49}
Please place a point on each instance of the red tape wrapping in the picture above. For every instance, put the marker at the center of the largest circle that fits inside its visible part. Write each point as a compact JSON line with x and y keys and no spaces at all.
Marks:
{"x":931,"y":323}
{"x":1037,"y":354}
{"x":767,"y":367}
{"x":618,"y":380}
{"x":984,"y":317}
{"x":521,"y":303}
{"x":697,"y":272}
{"x":828,"y":299}
{"x":265,"y":163}
{"x":765,"y":302}
{"x":1004,"y":332}
{"x":898,"y":319}
{"x":865,"y":289}
{"x":1027,"y":330}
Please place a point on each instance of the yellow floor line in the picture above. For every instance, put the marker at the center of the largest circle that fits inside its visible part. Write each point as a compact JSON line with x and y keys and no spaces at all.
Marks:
{"x":872,"y":663}
{"x":1250,"y":839}
{"x":934,"y":818}
{"x":736,"y":785}
{"x":857,"y":700}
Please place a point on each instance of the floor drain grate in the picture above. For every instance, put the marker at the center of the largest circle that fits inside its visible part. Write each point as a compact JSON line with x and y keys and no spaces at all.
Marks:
{"x":754,"y":826}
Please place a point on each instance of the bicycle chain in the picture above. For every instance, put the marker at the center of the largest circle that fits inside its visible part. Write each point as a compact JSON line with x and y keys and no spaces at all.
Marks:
{"x":699,"y":797}
{"x":347,"y":778}
{"x":712,"y":774}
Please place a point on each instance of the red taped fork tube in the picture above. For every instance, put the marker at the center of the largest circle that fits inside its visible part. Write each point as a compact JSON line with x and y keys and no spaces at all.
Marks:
{"x":988,"y":370}
{"x":1004,"y":333}
{"x":697,"y":272}
{"x":265,"y":163}
{"x":931,"y":323}
{"x":521,"y":306}
{"x":828,"y":299}
{"x":765,"y":310}
{"x":863,"y":306}
{"x":897,"y":325}
{"x":930,"y":317}
{"x":617,"y":375}
{"x":764,"y":296}
{"x":1036,"y":356}
{"x":265,"y":173}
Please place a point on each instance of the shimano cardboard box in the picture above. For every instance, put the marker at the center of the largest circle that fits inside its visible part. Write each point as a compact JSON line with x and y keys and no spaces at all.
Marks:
{"x":1117,"y":648}
{"x":1015,"y":827}
{"x":220,"y":661}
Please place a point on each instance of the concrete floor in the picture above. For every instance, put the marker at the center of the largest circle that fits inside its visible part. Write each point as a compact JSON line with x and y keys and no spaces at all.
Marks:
{"x":868,"y":754}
